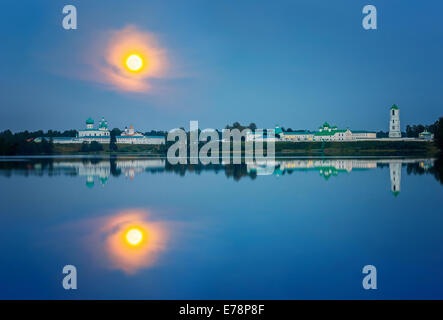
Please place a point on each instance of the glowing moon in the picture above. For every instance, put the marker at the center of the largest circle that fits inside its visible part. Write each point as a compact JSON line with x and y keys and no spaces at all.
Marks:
{"x":134,"y":62}
{"x":134,"y":236}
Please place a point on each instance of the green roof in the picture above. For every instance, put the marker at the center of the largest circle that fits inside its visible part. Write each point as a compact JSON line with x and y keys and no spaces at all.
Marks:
{"x":89,"y":121}
{"x":327,"y":172}
{"x":325,"y":133}
{"x":103,"y":180}
{"x":326,"y":125}
{"x":297,"y":133}
{"x":394,"y":106}
{"x":328,"y":133}
{"x":278,"y":130}
{"x":103,"y":123}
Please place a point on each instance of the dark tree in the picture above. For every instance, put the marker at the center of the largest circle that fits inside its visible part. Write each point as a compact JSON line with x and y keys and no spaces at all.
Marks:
{"x":84,"y":147}
{"x":156,"y":133}
{"x":438,"y":134}
{"x":95,"y":146}
{"x":113,"y":142}
{"x":116,"y":132}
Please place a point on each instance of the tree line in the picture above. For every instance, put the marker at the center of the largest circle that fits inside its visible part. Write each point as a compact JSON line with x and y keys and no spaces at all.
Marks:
{"x":413,"y":131}
{"x":22,"y":143}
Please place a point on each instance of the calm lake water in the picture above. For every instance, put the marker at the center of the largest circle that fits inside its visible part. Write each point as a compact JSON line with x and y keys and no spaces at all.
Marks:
{"x":289,"y":229}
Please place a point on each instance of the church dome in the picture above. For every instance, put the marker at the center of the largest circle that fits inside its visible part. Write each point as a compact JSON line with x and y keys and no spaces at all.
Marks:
{"x":103,"y":123}
{"x":89,"y":121}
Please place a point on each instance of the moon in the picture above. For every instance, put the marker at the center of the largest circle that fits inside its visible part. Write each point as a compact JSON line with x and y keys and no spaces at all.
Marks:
{"x":134,"y":62}
{"x":134,"y":236}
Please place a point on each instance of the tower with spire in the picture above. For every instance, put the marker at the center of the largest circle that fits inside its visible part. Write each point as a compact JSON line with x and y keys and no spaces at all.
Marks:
{"x":394,"y":122}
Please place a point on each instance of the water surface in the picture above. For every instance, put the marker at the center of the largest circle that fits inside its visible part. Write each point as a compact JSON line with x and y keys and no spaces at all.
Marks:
{"x":284,"y":229}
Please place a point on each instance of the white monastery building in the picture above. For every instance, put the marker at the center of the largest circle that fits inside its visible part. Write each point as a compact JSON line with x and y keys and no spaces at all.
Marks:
{"x":332,"y":133}
{"x":90,"y":134}
{"x":103,"y":135}
{"x":324,"y":133}
{"x":130,"y":136}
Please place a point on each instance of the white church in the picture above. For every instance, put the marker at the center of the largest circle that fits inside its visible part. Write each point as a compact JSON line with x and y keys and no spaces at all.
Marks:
{"x":90,"y":134}
{"x":130,"y":136}
{"x":103,"y":135}
{"x":327,"y":132}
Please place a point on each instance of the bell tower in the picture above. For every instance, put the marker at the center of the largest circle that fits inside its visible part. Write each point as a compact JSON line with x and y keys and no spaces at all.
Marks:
{"x":394,"y":122}
{"x":395,"y":173}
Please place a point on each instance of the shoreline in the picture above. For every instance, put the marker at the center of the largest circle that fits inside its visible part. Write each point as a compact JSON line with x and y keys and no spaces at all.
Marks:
{"x":365,"y":149}
{"x":282,"y":148}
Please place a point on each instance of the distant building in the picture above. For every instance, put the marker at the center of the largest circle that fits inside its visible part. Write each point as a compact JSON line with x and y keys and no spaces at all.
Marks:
{"x":261,"y":137}
{"x":103,"y":135}
{"x":327,"y":133}
{"x":90,"y":134}
{"x":362,"y":135}
{"x":394,"y":122}
{"x":130,"y":136}
{"x":298,"y":136}
{"x":269,"y":135}
{"x":426,"y":135}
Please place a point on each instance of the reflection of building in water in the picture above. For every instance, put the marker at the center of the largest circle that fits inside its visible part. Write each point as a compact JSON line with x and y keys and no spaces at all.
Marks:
{"x":326,"y":167}
{"x":90,"y":181}
{"x":426,"y":164}
{"x":101,"y":170}
{"x":395,"y":172}
{"x":132,"y":167}
{"x":261,"y":167}
{"x":332,"y":167}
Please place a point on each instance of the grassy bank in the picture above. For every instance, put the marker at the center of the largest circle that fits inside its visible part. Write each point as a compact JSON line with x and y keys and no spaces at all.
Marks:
{"x":354,"y":148}
{"x":122,"y":149}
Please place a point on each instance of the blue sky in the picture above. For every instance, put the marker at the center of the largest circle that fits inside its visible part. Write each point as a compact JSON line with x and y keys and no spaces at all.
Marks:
{"x":295,"y":63}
